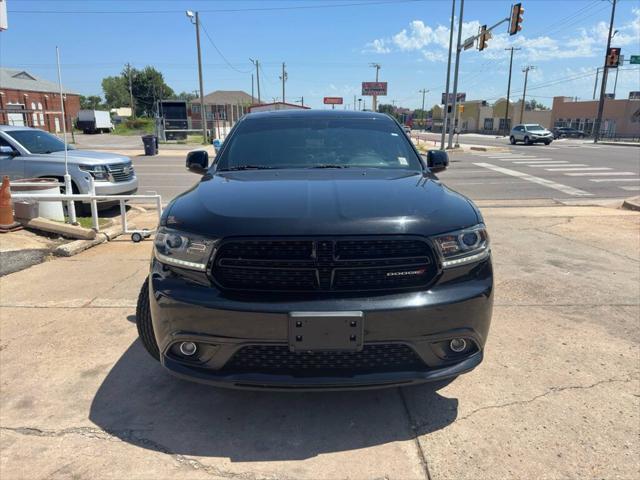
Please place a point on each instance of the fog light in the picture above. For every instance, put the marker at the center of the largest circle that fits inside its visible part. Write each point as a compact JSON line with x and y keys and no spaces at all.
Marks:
{"x":188,"y":348}
{"x":457,"y":345}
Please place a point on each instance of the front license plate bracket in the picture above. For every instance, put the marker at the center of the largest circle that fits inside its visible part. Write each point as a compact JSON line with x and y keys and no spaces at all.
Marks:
{"x":313,"y":331}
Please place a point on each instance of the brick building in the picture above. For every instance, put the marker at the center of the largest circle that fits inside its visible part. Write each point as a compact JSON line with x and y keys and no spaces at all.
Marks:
{"x":34,"y":102}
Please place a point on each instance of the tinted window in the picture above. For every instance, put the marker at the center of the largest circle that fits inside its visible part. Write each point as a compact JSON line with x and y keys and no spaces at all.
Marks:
{"x":37,"y":141}
{"x":534,"y":128}
{"x":317,"y":142}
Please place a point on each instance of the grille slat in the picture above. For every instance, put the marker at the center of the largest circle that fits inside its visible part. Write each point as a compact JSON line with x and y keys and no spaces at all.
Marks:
{"x":121,"y":172}
{"x":324,"y":264}
{"x":278,"y":359}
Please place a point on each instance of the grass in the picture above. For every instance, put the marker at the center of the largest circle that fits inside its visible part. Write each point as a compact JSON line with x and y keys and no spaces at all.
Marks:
{"x":87,"y":222}
{"x":135,"y":126}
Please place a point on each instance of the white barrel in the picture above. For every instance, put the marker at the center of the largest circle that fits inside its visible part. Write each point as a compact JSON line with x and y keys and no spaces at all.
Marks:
{"x":42,"y":186}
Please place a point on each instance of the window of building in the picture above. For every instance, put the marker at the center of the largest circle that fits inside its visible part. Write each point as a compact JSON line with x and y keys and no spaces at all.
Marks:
{"x":195,"y":108}
{"x":505,"y":125}
{"x":488,"y":123}
{"x":33,"y":105}
{"x":39,"y":106}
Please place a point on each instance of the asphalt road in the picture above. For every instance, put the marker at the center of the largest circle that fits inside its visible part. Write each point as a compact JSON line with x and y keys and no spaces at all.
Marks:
{"x":567,"y":169}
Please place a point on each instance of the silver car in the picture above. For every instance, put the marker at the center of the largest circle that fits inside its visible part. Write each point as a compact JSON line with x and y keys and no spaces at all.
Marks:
{"x":32,"y":153}
{"x":530,"y":133}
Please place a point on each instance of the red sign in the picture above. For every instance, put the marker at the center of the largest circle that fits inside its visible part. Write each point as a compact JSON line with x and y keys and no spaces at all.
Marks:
{"x":374,"y":88}
{"x":333,"y":100}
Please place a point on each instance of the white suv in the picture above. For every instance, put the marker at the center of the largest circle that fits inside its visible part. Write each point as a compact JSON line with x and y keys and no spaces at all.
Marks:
{"x":530,"y":133}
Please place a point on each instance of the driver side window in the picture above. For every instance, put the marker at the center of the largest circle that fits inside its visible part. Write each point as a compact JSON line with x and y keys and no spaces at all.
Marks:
{"x":4,"y":143}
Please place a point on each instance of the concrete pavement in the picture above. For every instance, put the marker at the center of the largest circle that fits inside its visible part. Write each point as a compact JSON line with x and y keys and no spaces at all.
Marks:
{"x":558,"y":395}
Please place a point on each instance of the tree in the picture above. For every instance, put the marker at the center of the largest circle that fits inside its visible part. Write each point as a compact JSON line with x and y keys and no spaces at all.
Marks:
{"x":147,"y":87}
{"x":92,"y":102}
{"x":386,"y":108}
{"x":534,"y":105}
{"x":116,"y":91}
{"x":186,"y":96}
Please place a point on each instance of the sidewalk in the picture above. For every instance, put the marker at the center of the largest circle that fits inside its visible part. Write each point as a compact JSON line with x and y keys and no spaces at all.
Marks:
{"x":557,"y":396}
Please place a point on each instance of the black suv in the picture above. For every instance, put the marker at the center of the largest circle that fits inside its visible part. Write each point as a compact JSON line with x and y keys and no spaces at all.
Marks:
{"x":319,"y":251}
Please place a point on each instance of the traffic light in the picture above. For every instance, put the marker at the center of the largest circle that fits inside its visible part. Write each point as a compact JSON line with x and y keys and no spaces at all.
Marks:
{"x":613,"y":57}
{"x":484,"y":38}
{"x":460,"y":108}
{"x":516,"y":19}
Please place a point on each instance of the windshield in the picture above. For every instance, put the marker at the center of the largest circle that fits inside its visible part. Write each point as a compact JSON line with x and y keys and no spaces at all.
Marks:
{"x":37,"y":141}
{"x":318,"y":143}
{"x":534,"y":128}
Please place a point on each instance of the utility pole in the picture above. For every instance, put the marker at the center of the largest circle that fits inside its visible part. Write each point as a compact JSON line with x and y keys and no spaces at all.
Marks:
{"x":595,"y":85}
{"x":374,"y":102}
{"x":455,"y":76}
{"x":354,"y":102}
{"x":283,"y":77}
{"x":252,"y":96}
{"x":605,"y":74}
{"x":506,"y":112}
{"x":524,"y":93}
{"x":445,"y":115}
{"x":133,"y":110}
{"x":195,"y":20}
{"x":257,"y":64}
{"x":423,"y":91}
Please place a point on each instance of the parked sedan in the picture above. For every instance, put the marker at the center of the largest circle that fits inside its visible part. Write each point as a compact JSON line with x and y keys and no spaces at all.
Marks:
{"x":568,"y":132}
{"x":530,"y":133}
{"x":31,"y":153}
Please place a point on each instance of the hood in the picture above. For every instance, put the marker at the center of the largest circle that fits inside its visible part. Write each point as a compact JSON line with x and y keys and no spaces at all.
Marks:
{"x":88,"y":157}
{"x":320,"y":202}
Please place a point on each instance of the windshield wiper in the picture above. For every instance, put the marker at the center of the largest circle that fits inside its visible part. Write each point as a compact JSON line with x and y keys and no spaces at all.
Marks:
{"x":246,"y":167}
{"x":330,"y":166}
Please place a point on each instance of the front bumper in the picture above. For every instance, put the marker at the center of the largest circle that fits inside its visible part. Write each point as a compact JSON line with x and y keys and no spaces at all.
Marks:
{"x":458,"y":305}
{"x":117,"y":188}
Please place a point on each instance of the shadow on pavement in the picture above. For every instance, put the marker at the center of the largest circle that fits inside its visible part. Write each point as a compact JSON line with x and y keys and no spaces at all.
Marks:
{"x":142,"y":404}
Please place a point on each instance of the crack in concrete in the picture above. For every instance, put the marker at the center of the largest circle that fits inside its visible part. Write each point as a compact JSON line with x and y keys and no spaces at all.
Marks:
{"x":130,"y":436}
{"x":542,"y":395}
{"x":416,"y":440}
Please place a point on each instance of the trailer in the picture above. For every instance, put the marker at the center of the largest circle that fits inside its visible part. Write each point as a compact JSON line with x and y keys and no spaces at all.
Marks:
{"x":94,"y":121}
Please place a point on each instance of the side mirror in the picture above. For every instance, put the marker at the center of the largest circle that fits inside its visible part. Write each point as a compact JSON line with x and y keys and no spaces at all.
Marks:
{"x":198,"y":161}
{"x":437,"y":160}
{"x":7,"y":151}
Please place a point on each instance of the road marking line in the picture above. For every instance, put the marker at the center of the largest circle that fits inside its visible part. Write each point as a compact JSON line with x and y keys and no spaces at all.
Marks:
{"x":633,"y":188}
{"x":542,"y":162}
{"x":614,"y":179}
{"x":575,"y":169}
{"x":556,"y":165}
{"x":540,"y":181}
{"x":599,"y":173}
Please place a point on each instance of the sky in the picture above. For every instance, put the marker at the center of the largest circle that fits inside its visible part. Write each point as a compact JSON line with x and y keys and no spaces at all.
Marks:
{"x":327,"y":45}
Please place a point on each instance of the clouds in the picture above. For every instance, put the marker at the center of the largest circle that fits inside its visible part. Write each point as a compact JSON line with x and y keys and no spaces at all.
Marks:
{"x":432,"y":41}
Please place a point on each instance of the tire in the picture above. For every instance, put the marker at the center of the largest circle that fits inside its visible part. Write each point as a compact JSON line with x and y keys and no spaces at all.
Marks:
{"x":547,"y":142}
{"x":144,"y":324}
{"x":527,"y":141}
{"x":136,"y":237}
{"x":512,"y":140}
{"x":82,"y":209}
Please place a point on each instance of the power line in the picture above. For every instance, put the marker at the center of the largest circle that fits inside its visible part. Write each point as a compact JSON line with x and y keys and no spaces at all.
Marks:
{"x":219,"y":10}
{"x":220,"y":53}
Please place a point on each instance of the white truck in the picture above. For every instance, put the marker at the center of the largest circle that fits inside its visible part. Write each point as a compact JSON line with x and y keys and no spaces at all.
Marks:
{"x":94,"y":121}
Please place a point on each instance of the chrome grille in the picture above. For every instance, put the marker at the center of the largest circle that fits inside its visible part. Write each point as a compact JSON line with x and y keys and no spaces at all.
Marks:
{"x":324,"y":264}
{"x":121,"y":172}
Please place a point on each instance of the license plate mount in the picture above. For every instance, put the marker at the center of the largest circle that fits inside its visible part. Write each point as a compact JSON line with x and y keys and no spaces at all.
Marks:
{"x":313,"y":331}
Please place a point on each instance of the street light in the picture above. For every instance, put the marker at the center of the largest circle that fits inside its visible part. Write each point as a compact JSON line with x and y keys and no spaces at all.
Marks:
{"x":194,"y":19}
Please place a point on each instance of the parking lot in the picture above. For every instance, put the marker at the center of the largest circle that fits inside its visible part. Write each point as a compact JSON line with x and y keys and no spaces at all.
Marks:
{"x":557,"y":396}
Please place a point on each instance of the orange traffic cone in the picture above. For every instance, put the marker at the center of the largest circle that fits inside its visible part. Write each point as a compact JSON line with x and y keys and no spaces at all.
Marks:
{"x":7,"y":222}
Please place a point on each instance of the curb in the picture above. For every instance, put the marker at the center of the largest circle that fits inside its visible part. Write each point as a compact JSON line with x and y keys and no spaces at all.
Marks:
{"x":632,"y":203}
{"x":73,"y":248}
{"x":620,"y":144}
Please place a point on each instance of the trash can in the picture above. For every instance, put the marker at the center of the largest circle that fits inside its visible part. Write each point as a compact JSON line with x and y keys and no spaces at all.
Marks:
{"x":150,"y":143}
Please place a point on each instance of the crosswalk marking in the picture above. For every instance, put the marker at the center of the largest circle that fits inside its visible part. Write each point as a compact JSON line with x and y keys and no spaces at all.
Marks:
{"x":614,"y":179}
{"x":544,"y":165}
{"x":534,"y":160}
{"x":541,"y":162}
{"x":575,"y":169}
{"x":633,"y":188}
{"x":599,"y":173}
{"x":540,"y":181}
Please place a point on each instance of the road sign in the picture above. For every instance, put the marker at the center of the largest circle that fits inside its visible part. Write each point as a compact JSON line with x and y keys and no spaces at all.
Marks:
{"x":635,"y":60}
{"x":462,"y":97}
{"x":374,"y":88}
{"x":333,"y":100}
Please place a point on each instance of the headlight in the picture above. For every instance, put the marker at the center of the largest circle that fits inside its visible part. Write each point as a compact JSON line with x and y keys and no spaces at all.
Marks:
{"x":182,"y":249}
{"x":464,"y":246}
{"x":99,"y":172}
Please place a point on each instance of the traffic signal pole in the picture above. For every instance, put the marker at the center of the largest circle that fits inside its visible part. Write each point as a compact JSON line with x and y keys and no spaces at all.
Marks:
{"x":445,"y":113}
{"x":605,"y":73}
{"x":455,"y":76}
